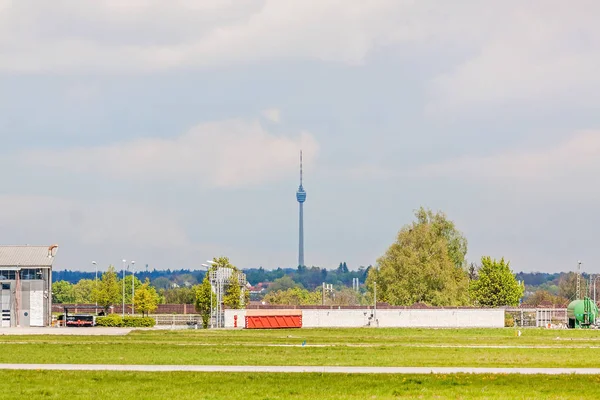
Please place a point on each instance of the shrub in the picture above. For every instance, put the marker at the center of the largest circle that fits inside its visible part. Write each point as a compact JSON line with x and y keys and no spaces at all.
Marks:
{"x":138,"y":322}
{"x":509,"y":321}
{"x":112,"y":320}
{"x":115,"y":320}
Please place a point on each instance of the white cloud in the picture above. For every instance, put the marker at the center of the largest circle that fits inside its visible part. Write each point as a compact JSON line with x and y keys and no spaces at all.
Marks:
{"x":578,"y":157}
{"x":130,"y":36}
{"x":45,"y":219}
{"x":543,"y":51}
{"x":228,"y":153}
{"x":272,"y":114}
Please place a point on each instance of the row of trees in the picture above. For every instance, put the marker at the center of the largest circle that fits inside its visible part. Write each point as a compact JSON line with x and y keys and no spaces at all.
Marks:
{"x":107,"y":292}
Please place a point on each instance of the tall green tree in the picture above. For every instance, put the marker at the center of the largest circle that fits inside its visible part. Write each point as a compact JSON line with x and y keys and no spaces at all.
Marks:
{"x":83,"y":291}
{"x":567,"y":286}
{"x":145,"y":298}
{"x":202,"y":301}
{"x":496,"y":285}
{"x":62,"y":292}
{"x":136,"y":285}
{"x":109,"y":289}
{"x":233,"y":294}
{"x":426,"y":264}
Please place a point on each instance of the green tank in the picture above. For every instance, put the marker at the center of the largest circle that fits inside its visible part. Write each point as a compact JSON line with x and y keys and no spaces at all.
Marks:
{"x":582,"y":313}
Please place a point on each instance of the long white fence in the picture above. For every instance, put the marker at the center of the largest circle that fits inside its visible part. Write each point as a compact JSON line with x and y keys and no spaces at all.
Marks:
{"x":392,"y":318}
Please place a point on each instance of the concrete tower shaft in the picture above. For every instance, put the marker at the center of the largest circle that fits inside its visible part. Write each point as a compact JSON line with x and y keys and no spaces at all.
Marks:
{"x":301,"y":197}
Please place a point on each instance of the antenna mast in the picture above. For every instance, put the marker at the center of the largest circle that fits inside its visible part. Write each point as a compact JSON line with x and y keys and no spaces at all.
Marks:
{"x":300,"y":168}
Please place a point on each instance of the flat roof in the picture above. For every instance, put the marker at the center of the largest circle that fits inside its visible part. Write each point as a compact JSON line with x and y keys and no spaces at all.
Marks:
{"x":27,"y":256}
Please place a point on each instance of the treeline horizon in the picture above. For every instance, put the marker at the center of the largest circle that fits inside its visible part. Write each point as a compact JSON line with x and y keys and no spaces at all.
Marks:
{"x":254,"y":275}
{"x":308,"y":277}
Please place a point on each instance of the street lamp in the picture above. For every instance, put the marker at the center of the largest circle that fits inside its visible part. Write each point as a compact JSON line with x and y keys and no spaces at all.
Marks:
{"x":96,"y":284}
{"x":132,"y":286}
{"x":123,"y":306}
{"x":211,"y":306}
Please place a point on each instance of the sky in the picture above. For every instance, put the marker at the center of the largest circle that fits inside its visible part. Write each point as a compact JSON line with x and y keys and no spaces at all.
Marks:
{"x":169,"y":132}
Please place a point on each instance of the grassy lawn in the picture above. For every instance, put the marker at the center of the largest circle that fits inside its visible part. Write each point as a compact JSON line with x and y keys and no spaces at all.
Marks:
{"x":183,"y":385}
{"x":348,"y":347}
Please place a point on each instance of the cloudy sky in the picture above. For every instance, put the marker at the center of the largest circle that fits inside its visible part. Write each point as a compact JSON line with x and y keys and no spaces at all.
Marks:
{"x":169,"y":132}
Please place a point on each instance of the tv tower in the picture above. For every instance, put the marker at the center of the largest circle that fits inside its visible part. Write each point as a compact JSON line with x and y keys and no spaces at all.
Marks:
{"x":301,"y":197}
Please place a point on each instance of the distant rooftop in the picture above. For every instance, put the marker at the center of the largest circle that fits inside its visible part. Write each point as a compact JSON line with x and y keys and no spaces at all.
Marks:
{"x":27,"y":256}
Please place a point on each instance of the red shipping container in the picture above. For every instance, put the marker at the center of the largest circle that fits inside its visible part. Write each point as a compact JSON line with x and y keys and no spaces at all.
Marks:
{"x":273,"y":319}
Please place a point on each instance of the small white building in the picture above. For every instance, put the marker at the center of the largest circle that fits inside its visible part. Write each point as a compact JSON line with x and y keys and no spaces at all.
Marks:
{"x":26,"y":285}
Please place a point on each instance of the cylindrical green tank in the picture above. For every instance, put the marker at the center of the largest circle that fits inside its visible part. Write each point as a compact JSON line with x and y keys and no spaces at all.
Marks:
{"x":582,"y":313}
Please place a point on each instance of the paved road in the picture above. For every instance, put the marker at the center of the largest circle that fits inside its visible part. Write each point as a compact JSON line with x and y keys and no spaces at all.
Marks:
{"x":319,"y":369}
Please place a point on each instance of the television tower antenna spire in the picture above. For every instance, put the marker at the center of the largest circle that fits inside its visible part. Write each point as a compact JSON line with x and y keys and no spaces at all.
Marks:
{"x":300,"y":167}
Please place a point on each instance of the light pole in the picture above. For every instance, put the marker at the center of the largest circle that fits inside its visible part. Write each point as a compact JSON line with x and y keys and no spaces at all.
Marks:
{"x":218,"y":291}
{"x":132,"y":286}
{"x":211,"y":305}
{"x":123,"y":305}
{"x":96,"y":285}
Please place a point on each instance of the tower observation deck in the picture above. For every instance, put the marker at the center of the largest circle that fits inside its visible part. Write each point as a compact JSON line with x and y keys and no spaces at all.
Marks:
{"x":301,"y":198}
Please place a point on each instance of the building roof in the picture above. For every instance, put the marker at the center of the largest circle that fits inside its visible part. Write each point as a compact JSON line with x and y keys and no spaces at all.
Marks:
{"x":27,"y":256}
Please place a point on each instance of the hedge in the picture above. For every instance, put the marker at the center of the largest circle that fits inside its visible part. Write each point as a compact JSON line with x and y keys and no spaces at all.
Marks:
{"x":115,"y":320}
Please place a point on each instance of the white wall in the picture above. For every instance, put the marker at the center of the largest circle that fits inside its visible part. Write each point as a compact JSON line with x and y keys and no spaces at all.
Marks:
{"x":229,"y":320}
{"x":438,"y":318}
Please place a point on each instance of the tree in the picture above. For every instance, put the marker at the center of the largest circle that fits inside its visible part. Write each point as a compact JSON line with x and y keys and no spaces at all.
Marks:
{"x":83,"y":291}
{"x":442,"y":227}
{"x":424,"y":265}
{"x":109,"y":290}
{"x":473,"y":271}
{"x":145,"y":298}
{"x":62,"y":292}
{"x":293,"y":296}
{"x":545,"y":298}
{"x":202,"y":301}
{"x":233,"y":294}
{"x":161,"y":283}
{"x":136,"y":283}
{"x":223,"y":262}
{"x":567,"y":286}
{"x":496,"y":285}
{"x":283,"y":283}
{"x":182,"y":295}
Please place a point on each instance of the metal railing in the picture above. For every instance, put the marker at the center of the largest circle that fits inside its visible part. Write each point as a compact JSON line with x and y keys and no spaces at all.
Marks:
{"x":183,"y":320}
{"x":539,"y":317}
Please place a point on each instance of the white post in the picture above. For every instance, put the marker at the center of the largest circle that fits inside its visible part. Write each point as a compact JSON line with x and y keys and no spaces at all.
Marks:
{"x":123,"y":305}
{"x":374,"y":301}
{"x":132,"y":287}
{"x":96,"y":285}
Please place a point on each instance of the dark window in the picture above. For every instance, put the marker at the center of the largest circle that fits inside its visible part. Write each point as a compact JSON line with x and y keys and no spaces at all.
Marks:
{"x":7,"y":275}
{"x":6,"y":286}
{"x":31,"y":274}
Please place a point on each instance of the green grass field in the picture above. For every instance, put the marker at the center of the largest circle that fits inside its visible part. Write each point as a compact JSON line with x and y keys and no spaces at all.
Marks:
{"x":183,"y":385}
{"x":346,"y":347}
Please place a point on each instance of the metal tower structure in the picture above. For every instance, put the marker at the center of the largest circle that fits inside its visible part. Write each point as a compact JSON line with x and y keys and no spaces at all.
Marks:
{"x":578,"y":280}
{"x":301,"y":197}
